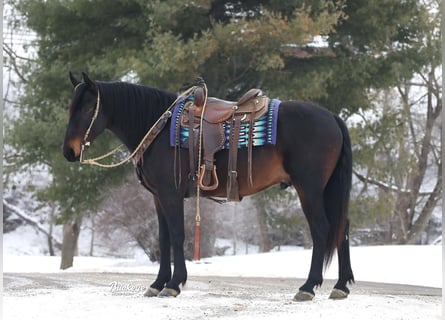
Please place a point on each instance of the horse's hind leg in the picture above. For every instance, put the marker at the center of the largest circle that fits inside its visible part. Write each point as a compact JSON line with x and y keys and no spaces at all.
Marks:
{"x":345,"y":274}
{"x":312,"y":203}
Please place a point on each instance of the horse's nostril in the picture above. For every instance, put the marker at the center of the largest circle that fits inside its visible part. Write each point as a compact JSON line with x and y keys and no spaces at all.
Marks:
{"x":71,"y":149}
{"x":69,"y":154}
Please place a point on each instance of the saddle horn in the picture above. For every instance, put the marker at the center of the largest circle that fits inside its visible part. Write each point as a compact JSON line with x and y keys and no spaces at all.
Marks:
{"x":199,"y":93}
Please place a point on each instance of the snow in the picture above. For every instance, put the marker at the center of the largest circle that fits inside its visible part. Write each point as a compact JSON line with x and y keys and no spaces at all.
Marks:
{"x":414,"y":265}
{"x":386,"y":264}
{"x":272,"y":280}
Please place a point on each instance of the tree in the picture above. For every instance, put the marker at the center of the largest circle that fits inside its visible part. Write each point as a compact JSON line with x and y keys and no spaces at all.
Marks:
{"x":376,"y":46}
{"x":403,"y":161}
{"x":280,"y":218}
{"x":158,"y":43}
{"x":379,"y":47}
{"x":39,"y":130}
{"x":234,"y":45}
{"x":398,"y":144}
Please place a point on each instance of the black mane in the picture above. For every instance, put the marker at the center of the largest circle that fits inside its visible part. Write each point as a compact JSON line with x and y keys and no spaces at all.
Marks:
{"x":133,"y":106}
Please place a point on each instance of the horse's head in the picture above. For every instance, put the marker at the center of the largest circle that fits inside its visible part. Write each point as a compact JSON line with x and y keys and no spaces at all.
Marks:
{"x":86,"y":118}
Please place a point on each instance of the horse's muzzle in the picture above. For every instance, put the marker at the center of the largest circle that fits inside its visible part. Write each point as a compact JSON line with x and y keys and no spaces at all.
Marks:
{"x":69,"y":154}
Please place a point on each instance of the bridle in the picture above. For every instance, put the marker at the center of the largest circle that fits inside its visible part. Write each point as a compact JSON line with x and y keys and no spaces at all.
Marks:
{"x":146,"y":141}
{"x":85,"y":142}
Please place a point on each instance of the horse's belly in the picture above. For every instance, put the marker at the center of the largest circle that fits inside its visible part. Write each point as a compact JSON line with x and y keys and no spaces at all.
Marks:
{"x":267,"y":170}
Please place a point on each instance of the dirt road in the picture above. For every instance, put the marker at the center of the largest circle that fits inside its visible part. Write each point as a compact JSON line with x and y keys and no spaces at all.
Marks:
{"x":117,"y":295}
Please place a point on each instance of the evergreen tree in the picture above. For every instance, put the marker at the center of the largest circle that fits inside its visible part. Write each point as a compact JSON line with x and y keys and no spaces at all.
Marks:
{"x":234,"y":45}
{"x":163,"y":43}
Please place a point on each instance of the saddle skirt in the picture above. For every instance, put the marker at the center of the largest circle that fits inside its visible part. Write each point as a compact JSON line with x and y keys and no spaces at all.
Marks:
{"x":264,"y":130}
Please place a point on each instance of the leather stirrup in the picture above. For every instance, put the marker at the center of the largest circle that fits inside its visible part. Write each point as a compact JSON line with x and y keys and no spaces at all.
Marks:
{"x":205,"y":172}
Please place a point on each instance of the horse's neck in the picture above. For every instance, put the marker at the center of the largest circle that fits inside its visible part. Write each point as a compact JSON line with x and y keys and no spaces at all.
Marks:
{"x":132,"y":111}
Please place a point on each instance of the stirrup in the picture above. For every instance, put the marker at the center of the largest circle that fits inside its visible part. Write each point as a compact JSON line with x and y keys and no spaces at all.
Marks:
{"x":201,"y":178}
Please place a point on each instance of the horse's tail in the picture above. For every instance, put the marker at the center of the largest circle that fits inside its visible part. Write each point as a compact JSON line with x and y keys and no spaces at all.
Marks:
{"x":336,"y":195}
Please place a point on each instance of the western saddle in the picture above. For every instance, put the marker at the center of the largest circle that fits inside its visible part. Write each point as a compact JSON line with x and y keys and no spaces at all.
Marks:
{"x":210,"y":115}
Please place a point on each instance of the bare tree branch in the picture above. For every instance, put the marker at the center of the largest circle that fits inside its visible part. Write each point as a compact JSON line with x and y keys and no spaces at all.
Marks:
{"x":12,"y":56}
{"x":19,"y":212}
{"x":385,"y":187}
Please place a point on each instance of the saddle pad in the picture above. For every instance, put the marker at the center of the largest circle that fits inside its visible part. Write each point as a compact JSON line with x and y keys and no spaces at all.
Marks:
{"x":264,"y":129}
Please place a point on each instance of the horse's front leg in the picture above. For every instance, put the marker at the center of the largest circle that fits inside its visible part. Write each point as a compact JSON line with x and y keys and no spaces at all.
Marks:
{"x":172,"y":208}
{"x":165,"y":272}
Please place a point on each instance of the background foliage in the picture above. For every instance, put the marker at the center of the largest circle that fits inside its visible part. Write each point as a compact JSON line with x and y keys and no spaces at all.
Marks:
{"x":344,"y":54}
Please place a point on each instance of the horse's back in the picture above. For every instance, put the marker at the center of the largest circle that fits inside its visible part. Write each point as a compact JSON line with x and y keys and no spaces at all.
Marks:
{"x":306,"y":116}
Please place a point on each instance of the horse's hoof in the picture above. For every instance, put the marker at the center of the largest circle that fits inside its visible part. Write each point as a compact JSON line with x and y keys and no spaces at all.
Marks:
{"x":151,"y":292}
{"x":338,"y":294}
{"x":168,"y":292}
{"x":304,"y":296}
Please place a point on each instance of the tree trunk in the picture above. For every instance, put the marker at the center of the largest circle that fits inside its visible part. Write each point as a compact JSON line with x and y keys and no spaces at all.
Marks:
{"x":307,"y":238}
{"x":71,"y":231}
{"x":265,"y":243}
{"x":421,"y":222}
{"x":234,"y":230}
{"x":50,"y":232}
{"x":93,"y":231}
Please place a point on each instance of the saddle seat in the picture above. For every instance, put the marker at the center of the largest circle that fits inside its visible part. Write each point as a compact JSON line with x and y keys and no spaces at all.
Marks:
{"x":218,"y":110}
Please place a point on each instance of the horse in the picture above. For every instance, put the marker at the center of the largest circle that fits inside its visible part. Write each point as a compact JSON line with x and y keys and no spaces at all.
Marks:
{"x":312,"y":153}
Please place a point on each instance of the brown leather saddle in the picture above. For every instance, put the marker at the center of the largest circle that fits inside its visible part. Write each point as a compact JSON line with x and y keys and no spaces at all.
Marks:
{"x":215,"y":113}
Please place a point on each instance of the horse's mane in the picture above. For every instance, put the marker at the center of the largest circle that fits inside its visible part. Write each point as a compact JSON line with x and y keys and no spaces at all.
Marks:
{"x":134,"y":106}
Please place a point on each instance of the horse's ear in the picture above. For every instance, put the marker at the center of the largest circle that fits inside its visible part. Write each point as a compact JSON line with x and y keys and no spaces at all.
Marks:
{"x":88,"y":81}
{"x":73,"y":79}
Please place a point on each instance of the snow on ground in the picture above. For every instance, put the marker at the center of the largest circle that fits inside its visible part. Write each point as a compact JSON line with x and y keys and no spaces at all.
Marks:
{"x":25,"y":297}
{"x":200,"y":299}
{"x":413,"y":265}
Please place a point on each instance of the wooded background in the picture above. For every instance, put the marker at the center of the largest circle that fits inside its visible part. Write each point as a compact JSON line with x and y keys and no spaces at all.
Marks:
{"x":375,"y":63}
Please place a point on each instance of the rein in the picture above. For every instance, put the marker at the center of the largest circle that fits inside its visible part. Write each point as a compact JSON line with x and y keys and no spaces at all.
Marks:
{"x":149,"y":137}
{"x":197,"y":243}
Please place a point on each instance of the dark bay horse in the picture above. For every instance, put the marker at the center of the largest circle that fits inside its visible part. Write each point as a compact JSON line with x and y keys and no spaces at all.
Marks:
{"x":312,"y":153}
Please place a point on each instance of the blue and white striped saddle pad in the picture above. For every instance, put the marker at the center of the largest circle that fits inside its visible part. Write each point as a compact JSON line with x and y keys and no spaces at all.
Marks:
{"x":264,"y":128}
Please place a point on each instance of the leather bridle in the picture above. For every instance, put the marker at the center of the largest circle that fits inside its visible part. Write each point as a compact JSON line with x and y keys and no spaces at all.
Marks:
{"x":85,"y":142}
{"x":146,"y":141}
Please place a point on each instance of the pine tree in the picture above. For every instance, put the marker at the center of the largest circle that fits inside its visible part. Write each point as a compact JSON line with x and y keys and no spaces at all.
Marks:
{"x":234,"y":45}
